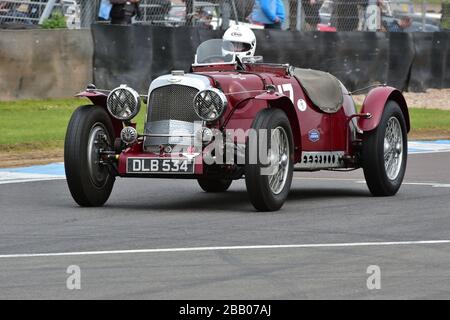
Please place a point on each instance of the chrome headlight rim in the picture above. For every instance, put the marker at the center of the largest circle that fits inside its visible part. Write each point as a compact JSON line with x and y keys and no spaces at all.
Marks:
{"x":133,"y":95}
{"x":220,"y":108}
{"x":129,"y":135}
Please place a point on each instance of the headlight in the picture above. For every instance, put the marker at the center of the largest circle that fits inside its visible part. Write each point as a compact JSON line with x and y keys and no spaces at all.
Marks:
{"x":123,"y":103}
{"x":210,"y":104}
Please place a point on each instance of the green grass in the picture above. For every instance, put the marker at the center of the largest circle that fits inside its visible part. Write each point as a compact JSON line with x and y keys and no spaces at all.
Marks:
{"x":38,"y":124}
{"x":35,"y":123}
{"x":41,"y":124}
{"x":423,"y":119}
{"x":431,"y":1}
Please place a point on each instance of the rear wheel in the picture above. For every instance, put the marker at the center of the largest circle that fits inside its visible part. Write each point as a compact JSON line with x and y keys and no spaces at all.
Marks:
{"x":90,"y":130}
{"x":214,"y":186}
{"x":269,"y":182}
{"x":385,"y":152}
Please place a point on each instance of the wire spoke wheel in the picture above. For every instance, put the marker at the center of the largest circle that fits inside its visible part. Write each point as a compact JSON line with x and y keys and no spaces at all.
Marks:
{"x":393,"y":148}
{"x":279,"y":158}
{"x":384,"y":152}
{"x":269,"y":180}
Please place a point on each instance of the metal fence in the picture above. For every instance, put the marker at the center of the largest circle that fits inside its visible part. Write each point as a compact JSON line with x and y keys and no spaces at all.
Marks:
{"x":35,"y":12}
{"x":305,"y":15}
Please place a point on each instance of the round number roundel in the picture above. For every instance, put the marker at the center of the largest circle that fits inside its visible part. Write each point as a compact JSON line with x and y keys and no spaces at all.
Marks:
{"x":301,"y":105}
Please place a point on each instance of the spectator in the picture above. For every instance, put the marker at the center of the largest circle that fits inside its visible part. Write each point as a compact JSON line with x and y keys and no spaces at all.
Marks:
{"x":270,"y":13}
{"x":203,"y":18}
{"x":225,"y":13}
{"x":293,"y":14}
{"x":104,"y":13}
{"x":398,"y":26}
{"x":345,"y":14}
{"x":189,"y":11}
{"x":4,"y":7}
{"x":312,"y":18}
{"x":122,"y":11}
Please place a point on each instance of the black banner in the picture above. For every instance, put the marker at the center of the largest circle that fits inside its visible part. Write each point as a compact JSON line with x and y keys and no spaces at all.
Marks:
{"x":138,"y":54}
{"x":431,"y":66}
{"x":357,"y":59}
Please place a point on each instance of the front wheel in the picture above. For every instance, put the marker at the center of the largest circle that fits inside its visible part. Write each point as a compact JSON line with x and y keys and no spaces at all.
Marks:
{"x":385,"y":152}
{"x":269,"y":180}
{"x":90,"y":130}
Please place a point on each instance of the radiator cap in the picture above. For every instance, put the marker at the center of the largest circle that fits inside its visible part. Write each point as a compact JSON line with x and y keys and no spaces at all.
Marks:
{"x":178,"y":73}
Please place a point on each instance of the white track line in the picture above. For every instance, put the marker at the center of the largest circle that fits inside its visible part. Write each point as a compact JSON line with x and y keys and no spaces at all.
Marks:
{"x":198,"y":249}
{"x":30,"y":180}
{"x":359,"y":181}
{"x":427,"y":152}
{"x":325,"y":179}
{"x":428,"y":184}
{"x":20,"y":177}
{"x":421,"y":184}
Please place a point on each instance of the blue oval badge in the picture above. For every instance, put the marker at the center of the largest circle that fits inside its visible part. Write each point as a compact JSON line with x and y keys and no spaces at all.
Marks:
{"x":314,"y":135}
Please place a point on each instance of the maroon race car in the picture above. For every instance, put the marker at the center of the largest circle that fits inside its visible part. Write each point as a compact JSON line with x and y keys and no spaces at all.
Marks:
{"x":231,"y":118}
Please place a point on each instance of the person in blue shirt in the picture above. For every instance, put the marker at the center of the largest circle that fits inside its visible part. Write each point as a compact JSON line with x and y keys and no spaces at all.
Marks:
{"x":398,"y":25}
{"x":270,"y":13}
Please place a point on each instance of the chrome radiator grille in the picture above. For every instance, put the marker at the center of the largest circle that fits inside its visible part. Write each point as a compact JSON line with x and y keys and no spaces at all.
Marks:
{"x":172,"y":102}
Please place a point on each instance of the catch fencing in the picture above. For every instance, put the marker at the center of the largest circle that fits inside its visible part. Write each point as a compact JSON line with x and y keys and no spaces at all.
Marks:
{"x":38,"y":64}
{"x":408,"y":61}
{"x":300,"y":15}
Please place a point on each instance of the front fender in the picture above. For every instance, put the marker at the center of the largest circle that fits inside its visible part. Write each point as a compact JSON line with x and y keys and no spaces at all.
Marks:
{"x":280,"y":101}
{"x":99,"y":99}
{"x":375,"y":103}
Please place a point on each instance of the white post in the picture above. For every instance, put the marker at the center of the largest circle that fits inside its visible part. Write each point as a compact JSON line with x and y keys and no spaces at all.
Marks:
{"x":47,"y":11}
{"x":300,"y":17}
{"x":424,"y":14}
{"x":287,"y":14}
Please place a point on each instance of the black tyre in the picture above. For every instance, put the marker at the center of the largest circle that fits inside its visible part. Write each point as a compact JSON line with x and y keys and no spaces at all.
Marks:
{"x":385,"y":153}
{"x":214,"y":186}
{"x":90,"y":129}
{"x":269,"y":180}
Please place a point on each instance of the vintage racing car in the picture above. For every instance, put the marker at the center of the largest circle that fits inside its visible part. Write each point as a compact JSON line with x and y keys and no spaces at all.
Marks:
{"x":235,"y":117}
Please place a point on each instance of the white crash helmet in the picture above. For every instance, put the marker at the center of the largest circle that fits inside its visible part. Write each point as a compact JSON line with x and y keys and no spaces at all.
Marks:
{"x":243,"y":40}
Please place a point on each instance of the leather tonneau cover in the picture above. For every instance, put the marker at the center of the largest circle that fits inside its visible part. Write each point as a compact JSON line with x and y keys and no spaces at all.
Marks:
{"x":322,"y":88}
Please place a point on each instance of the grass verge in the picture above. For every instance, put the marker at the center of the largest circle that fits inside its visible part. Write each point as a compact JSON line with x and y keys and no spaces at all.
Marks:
{"x":35,"y":129}
{"x":37,"y":124}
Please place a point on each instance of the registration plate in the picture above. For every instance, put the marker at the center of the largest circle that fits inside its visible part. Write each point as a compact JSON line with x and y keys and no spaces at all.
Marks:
{"x":165,"y":165}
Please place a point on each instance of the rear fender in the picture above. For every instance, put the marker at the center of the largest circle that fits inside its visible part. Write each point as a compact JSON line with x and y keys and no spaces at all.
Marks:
{"x":375,"y":103}
{"x":280,"y":101}
{"x":99,"y":99}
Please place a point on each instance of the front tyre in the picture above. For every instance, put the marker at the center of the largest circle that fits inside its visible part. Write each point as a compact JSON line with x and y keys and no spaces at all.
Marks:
{"x":385,"y":152}
{"x":269,"y":180}
{"x":214,"y":186}
{"x":90,"y":130}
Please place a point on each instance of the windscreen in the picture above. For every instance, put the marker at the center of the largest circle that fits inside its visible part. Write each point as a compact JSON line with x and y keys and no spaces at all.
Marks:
{"x":215,"y":51}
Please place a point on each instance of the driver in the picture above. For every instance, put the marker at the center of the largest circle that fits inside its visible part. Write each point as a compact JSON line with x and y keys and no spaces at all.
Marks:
{"x":243,"y":40}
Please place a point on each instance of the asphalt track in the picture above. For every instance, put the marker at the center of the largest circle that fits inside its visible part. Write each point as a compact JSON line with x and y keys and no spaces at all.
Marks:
{"x":165,"y":239}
